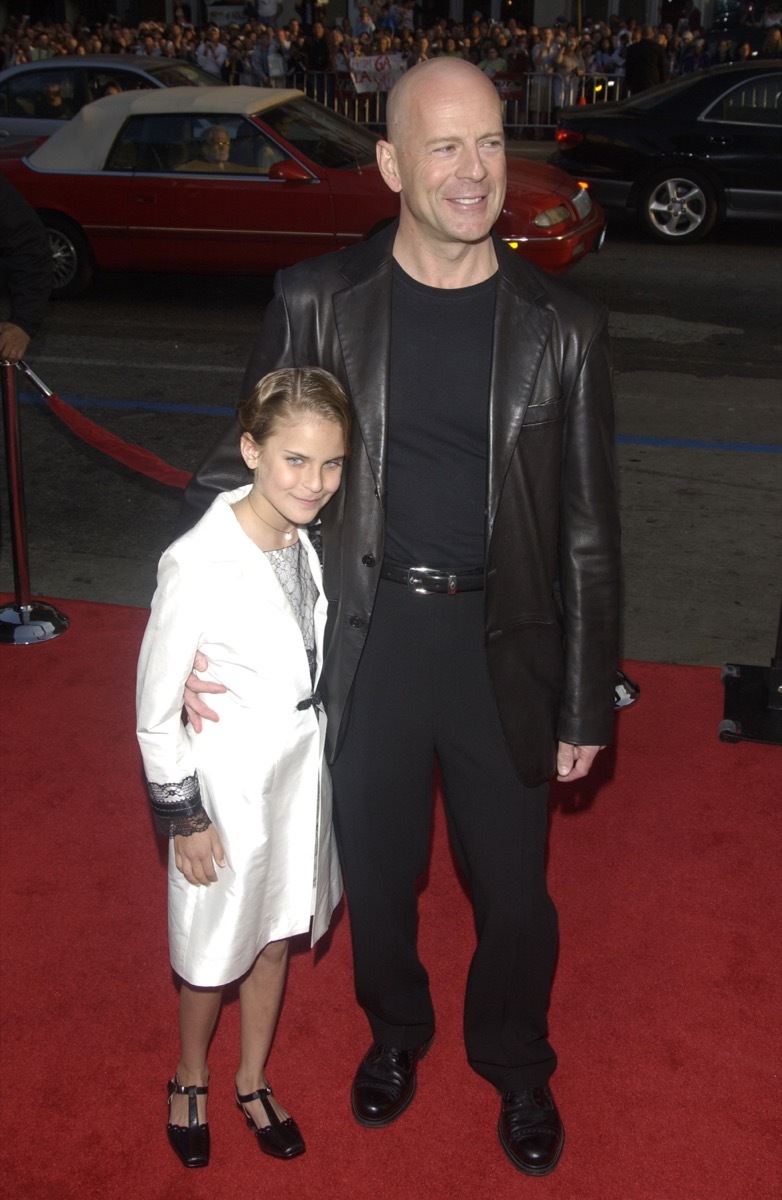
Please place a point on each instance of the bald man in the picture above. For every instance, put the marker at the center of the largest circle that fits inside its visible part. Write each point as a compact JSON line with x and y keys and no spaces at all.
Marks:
{"x":471,"y":567}
{"x":645,"y":62}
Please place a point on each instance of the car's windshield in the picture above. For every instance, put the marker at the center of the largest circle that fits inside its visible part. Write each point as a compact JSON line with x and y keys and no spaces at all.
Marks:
{"x":326,"y":138}
{"x":182,"y":74}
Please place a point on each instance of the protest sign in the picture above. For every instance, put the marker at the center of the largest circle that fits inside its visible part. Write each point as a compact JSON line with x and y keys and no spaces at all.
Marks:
{"x":376,"y":73}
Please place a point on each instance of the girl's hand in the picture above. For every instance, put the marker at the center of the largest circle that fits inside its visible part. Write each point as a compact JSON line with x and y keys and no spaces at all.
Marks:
{"x":196,"y":856}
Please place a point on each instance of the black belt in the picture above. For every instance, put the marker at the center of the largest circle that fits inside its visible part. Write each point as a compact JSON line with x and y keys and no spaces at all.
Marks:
{"x":423,"y":580}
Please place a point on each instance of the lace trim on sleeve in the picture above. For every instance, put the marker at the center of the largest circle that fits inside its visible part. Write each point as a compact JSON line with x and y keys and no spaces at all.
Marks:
{"x":177,"y":807}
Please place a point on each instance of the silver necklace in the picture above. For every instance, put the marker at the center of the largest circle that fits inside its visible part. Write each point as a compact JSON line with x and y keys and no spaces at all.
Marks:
{"x":287,"y":535}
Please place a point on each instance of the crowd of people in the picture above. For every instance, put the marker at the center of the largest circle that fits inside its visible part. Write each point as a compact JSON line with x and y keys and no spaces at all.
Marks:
{"x":264,"y":51}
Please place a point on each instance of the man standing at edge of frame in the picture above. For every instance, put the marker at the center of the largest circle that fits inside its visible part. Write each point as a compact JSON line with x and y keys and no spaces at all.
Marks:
{"x":26,"y":269}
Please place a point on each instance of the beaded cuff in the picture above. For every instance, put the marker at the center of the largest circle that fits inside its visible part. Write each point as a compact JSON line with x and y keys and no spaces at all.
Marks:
{"x":177,"y":807}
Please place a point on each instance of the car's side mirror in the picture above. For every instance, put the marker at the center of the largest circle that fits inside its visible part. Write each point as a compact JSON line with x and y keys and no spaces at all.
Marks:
{"x":289,"y":171}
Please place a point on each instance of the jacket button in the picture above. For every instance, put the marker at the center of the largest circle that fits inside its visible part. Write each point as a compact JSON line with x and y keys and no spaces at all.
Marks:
{"x":368,"y":560}
{"x":356,"y":622}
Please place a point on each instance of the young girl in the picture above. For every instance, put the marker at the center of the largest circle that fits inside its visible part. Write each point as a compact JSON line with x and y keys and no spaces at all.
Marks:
{"x":247,"y":802}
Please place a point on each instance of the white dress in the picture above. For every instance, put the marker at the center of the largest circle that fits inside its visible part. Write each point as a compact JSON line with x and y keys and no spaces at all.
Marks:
{"x":260,"y":768}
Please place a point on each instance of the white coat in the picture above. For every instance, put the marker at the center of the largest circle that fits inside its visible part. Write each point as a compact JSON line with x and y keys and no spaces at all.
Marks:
{"x":260,"y":768}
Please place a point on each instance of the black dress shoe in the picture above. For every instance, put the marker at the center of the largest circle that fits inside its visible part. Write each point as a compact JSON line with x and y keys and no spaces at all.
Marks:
{"x":531,"y":1130}
{"x":385,"y":1083}
{"x":280,"y":1139}
{"x":189,"y":1142}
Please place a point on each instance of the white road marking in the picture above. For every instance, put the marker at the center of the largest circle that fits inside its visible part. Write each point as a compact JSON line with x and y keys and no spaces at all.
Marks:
{"x":199,"y":368}
{"x":664,"y":329}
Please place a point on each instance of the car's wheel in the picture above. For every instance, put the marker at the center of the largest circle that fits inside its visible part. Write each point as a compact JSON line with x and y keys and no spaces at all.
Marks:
{"x":677,"y":205}
{"x":73,"y":267}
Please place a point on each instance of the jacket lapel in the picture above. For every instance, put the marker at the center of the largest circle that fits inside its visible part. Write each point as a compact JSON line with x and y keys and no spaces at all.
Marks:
{"x":522,"y":329}
{"x":361,"y":313}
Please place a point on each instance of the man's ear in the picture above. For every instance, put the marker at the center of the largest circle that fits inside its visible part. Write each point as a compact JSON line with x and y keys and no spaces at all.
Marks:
{"x":386,"y":161}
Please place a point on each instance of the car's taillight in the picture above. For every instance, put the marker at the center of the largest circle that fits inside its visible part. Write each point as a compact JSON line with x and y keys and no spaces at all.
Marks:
{"x":568,"y":139}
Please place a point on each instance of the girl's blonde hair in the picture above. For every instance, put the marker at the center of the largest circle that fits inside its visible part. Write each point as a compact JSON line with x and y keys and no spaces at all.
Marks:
{"x":290,"y":394}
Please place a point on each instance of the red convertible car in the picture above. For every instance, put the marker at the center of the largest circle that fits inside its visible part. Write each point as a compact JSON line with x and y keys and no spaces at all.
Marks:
{"x":244,"y":180}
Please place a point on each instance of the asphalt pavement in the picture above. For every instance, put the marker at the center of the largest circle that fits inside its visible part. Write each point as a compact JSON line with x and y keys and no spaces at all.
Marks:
{"x":698,"y":355}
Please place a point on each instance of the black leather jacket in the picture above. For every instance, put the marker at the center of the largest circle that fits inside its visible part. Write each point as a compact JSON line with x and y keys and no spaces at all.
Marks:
{"x":552,"y":529}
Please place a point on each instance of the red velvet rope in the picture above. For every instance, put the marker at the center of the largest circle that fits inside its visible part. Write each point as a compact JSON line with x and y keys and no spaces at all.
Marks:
{"x":135,"y":457}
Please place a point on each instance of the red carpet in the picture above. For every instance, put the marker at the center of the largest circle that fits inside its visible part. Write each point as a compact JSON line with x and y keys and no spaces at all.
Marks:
{"x":665,"y":1014}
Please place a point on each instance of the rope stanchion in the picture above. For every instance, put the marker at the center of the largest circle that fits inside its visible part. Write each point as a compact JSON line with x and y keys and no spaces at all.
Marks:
{"x":26,"y":621}
{"x":142,"y":461}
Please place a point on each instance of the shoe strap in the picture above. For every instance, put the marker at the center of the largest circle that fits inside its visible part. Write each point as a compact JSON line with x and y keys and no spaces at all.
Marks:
{"x":183,"y":1089}
{"x":261,"y":1094}
{"x":192,"y":1092}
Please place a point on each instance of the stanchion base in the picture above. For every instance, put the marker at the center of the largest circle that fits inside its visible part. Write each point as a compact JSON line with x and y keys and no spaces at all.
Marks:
{"x":24,"y":624}
{"x":748,"y":715}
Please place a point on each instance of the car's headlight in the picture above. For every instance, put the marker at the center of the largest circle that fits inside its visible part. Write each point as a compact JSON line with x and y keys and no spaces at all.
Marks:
{"x":552,"y":216}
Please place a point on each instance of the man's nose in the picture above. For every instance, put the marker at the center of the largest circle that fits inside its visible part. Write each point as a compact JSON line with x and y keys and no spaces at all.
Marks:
{"x":471,"y":165}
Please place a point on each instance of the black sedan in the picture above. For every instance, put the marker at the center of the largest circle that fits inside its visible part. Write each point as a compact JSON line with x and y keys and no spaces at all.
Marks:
{"x":684,"y":155}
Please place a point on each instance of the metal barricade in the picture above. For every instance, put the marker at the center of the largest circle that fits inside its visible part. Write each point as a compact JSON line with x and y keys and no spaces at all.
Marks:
{"x":336,"y":90}
{"x":531,"y":103}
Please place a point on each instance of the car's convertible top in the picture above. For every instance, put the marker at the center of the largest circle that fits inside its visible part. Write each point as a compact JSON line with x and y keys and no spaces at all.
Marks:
{"x":84,"y":142}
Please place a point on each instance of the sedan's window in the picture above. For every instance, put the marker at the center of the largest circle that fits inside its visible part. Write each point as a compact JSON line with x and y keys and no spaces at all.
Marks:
{"x":47,"y":94}
{"x":107,"y":82}
{"x":756,"y":102}
{"x":196,"y":144}
{"x":326,"y":138}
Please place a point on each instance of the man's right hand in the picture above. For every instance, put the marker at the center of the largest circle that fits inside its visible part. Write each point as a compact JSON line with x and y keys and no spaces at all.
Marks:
{"x":197,"y":710}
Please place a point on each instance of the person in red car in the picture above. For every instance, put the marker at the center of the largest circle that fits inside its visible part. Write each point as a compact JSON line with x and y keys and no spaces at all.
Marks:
{"x":214,"y":154}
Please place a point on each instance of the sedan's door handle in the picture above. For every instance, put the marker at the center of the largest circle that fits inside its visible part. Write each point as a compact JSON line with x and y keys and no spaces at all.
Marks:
{"x":148,"y":198}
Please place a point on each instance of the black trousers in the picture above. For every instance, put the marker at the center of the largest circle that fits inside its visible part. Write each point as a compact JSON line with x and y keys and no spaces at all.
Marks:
{"x":422,"y":692}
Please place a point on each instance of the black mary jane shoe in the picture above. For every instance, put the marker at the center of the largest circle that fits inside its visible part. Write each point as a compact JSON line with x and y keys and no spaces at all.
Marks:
{"x":189,"y":1142}
{"x":280,"y":1139}
{"x":531,"y":1130}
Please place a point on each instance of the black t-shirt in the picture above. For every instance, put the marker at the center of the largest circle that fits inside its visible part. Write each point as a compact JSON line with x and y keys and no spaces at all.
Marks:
{"x":441,"y":351}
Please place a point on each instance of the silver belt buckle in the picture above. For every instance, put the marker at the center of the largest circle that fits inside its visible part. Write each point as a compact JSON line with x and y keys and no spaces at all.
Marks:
{"x":415,"y":582}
